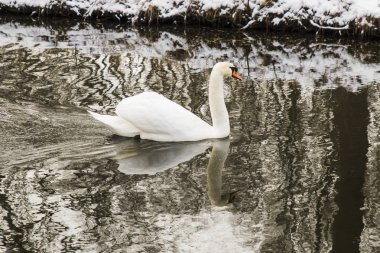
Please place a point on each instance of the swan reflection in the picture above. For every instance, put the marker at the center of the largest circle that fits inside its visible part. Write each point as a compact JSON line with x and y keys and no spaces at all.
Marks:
{"x":146,"y":157}
{"x":220,"y":150}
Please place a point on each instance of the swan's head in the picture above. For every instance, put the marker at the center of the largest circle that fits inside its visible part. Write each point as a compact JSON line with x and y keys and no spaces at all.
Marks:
{"x":226,"y":69}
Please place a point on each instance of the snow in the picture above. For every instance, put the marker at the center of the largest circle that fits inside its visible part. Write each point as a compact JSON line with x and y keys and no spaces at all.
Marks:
{"x":321,"y":12}
{"x":218,"y":4}
{"x":328,"y":27}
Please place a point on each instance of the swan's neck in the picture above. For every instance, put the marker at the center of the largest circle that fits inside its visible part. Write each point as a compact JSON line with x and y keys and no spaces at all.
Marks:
{"x":219,"y":114}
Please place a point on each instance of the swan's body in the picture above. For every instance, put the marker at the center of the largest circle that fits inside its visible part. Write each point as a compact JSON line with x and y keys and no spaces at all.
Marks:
{"x":154,"y":117}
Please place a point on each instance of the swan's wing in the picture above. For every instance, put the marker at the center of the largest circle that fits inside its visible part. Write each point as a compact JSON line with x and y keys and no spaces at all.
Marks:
{"x":161,"y":119}
{"x":116,"y":124}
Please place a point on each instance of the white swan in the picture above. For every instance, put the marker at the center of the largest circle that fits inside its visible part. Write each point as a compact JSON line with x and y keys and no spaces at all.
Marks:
{"x":154,"y":117}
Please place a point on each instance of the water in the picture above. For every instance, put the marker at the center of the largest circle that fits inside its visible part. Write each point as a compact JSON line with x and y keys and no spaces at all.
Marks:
{"x":299,"y":172}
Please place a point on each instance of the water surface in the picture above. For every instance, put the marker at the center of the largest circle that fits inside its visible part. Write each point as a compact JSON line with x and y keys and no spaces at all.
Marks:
{"x":299,"y":172}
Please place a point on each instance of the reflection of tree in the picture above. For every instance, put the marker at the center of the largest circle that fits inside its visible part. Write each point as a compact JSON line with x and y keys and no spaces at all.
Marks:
{"x":152,"y":59}
{"x":351,"y":120}
{"x":370,"y":239}
{"x":283,"y":154}
{"x":289,"y":150}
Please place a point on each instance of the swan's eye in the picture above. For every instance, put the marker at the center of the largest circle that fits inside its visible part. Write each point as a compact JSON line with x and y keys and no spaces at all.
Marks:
{"x":233,"y":69}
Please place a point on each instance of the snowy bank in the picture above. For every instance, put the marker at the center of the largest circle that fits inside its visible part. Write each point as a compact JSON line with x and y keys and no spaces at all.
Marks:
{"x":343,"y":16}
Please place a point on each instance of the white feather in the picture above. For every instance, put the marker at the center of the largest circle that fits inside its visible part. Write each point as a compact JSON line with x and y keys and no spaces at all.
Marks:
{"x":116,"y":124}
{"x":154,"y":117}
{"x":160,"y":119}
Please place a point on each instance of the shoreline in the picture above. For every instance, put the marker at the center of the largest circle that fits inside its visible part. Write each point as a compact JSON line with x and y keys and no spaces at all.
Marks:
{"x":340,"y":19}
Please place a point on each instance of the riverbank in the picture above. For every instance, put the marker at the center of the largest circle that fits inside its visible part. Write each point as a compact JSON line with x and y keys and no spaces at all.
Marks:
{"x":344,"y":18}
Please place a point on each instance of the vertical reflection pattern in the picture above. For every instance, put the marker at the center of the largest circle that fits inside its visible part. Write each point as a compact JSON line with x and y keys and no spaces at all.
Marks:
{"x":98,"y":81}
{"x":289,"y":153}
{"x":370,"y":237}
{"x":285,"y":147}
{"x":351,"y":118}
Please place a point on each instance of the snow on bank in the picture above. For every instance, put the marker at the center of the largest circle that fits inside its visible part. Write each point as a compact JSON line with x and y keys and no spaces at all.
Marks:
{"x":309,"y":15}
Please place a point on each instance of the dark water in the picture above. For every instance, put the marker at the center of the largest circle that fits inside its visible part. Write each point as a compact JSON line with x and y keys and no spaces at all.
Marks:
{"x":299,"y":173}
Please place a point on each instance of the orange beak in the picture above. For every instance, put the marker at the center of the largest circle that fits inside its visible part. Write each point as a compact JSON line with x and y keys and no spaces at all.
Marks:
{"x":236,"y":75}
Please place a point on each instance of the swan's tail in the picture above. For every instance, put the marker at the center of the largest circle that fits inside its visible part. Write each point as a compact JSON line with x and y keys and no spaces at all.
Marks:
{"x":116,"y":124}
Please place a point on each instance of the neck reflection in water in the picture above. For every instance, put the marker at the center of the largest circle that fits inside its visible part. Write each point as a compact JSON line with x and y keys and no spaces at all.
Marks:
{"x":220,"y":149}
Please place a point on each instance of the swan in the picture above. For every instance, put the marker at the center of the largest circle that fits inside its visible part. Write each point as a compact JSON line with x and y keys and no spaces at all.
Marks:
{"x":152,"y":116}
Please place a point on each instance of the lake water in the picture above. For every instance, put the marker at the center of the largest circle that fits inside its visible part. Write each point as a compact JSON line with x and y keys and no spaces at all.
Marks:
{"x":299,"y":173}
